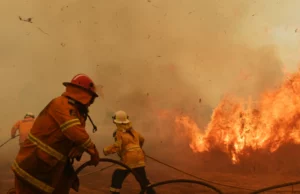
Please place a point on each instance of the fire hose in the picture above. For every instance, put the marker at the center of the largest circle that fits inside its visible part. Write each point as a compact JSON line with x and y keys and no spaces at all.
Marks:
{"x":8,"y":141}
{"x":84,"y":165}
{"x":101,"y":169}
{"x":182,"y":181}
{"x":196,"y":177}
{"x":79,"y":169}
{"x":205,"y":180}
{"x":275,"y":187}
{"x":204,"y":183}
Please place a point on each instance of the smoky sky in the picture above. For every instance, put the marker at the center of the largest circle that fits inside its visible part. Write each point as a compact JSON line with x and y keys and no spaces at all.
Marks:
{"x":148,"y":55}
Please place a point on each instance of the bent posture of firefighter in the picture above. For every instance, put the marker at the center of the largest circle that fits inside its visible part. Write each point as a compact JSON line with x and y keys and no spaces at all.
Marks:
{"x":128,"y":144}
{"x":44,"y":162}
{"x":23,"y":126}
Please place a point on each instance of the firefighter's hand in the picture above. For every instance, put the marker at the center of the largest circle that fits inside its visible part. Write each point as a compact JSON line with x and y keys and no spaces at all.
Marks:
{"x":94,"y":160}
{"x":76,"y":152}
{"x":94,"y":156}
{"x":104,"y":152}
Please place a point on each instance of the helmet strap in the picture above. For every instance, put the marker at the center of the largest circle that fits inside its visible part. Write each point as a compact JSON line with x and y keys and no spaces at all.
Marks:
{"x":83,"y":110}
{"x":94,"y":126}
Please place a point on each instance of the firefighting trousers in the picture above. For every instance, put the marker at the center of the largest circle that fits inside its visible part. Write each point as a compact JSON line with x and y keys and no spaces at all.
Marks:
{"x":22,"y":187}
{"x":63,"y":187}
{"x":120,"y":175}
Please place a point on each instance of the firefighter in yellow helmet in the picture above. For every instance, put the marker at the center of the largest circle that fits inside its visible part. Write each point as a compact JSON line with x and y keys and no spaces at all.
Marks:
{"x":128,"y":145}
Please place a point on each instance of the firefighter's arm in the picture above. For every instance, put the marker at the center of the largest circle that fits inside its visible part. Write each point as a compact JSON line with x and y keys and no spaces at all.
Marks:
{"x":72,"y":128}
{"x":114,"y":148}
{"x":141,"y":140}
{"x":14,"y":129}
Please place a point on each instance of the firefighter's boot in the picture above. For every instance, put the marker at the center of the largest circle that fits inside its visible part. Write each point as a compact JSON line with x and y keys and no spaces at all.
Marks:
{"x":149,"y":191}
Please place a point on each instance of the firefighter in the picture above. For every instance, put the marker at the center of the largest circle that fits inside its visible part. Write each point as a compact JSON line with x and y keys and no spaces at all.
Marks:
{"x":128,"y":145}
{"x":58,"y":136}
{"x":23,"y":126}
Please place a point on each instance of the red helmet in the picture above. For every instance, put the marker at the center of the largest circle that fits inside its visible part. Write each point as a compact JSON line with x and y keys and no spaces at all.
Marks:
{"x":84,"y":82}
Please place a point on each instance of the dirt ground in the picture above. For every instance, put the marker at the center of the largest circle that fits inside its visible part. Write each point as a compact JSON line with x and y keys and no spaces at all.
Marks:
{"x":99,"y":182}
{"x":255,"y":172}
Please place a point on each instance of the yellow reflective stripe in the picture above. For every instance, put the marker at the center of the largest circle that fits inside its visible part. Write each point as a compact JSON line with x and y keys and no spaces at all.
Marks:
{"x":37,"y":183}
{"x":133,"y":148}
{"x":87,"y":143}
{"x":69,"y":123}
{"x":114,"y":189}
{"x":46,"y":148}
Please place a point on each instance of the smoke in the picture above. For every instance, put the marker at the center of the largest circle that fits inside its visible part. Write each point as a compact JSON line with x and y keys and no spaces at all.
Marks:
{"x":148,"y":55}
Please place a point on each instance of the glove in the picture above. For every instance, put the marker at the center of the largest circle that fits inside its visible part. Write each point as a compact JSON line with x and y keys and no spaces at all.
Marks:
{"x":104,"y":152}
{"x":76,"y":152}
{"x":94,"y":161}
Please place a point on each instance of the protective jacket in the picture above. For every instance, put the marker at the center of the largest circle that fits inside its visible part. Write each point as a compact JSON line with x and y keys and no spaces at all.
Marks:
{"x":43,"y":159}
{"x":23,"y":126}
{"x":128,"y":145}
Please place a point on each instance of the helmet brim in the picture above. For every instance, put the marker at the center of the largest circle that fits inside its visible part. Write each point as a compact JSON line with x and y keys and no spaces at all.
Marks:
{"x":71,"y":84}
{"x":121,"y":122}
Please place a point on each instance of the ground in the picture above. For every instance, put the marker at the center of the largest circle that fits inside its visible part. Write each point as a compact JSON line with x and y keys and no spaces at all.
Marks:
{"x":99,"y":182}
{"x":254,"y":172}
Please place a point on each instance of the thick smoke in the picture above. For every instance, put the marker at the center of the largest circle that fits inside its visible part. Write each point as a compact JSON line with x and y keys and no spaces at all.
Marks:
{"x":149,"y":56}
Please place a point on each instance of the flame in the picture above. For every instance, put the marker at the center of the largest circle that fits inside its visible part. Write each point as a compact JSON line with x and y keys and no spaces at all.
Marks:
{"x":238,"y":126}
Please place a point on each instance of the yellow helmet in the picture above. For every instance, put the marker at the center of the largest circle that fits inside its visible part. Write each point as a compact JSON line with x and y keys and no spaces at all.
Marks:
{"x":121,"y":117}
{"x":29,"y":114}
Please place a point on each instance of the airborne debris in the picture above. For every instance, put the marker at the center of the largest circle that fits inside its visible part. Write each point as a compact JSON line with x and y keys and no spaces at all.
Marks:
{"x":147,"y":94}
{"x":158,"y":56}
{"x":42,"y":31}
{"x":200,"y":100}
{"x":63,"y":44}
{"x":296,"y":30}
{"x":25,"y":20}
{"x":62,"y":9}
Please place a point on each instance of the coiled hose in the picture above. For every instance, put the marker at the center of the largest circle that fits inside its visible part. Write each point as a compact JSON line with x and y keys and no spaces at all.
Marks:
{"x":81,"y":167}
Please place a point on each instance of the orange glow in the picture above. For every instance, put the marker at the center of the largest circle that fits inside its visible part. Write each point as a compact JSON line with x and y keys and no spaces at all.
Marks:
{"x":238,"y":126}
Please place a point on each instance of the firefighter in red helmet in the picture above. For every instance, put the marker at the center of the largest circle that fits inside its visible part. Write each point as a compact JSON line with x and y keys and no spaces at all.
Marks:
{"x":44,"y":163}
